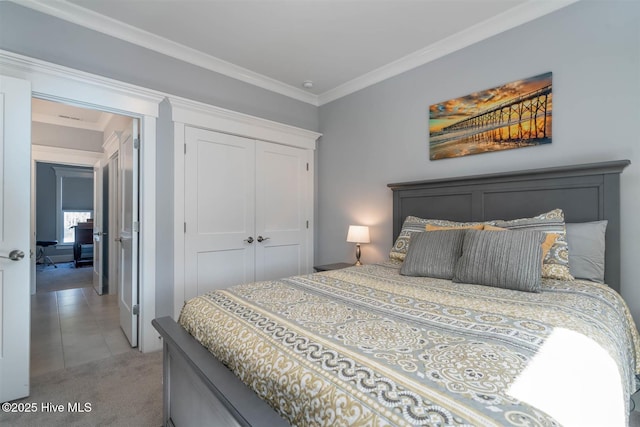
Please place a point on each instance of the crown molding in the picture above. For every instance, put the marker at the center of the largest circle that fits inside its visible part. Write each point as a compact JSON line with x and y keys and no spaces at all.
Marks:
{"x":507,"y":20}
{"x":69,"y":156}
{"x":103,"y":24}
{"x":211,"y":117}
{"x":53,"y":82}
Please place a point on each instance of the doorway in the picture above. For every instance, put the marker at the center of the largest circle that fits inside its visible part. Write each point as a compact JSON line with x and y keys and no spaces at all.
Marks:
{"x":23,"y":77}
{"x":82,"y":321}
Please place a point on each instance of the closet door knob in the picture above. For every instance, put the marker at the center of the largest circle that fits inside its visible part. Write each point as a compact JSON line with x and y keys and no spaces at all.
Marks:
{"x":262,"y":239}
{"x":249,"y":240}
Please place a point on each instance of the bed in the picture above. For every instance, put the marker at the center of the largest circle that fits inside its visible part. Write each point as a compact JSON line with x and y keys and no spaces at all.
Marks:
{"x":371,"y":346}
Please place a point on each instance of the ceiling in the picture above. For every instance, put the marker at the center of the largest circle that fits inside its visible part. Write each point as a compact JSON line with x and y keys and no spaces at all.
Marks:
{"x":340,"y":45}
{"x":55,"y":113}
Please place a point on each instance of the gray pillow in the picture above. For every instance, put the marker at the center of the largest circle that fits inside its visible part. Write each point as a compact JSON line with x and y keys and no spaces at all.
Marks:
{"x":433,"y":254}
{"x":586,"y":250}
{"x":510,"y":260}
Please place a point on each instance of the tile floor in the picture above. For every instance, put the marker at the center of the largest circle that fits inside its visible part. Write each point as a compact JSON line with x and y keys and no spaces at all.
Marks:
{"x":72,"y":327}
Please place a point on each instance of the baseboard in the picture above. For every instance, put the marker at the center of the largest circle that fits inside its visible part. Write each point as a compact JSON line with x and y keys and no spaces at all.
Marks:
{"x":61,"y":258}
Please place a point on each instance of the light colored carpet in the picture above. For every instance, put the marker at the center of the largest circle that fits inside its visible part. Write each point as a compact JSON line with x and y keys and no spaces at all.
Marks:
{"x":123,"y":390}
{"x":49,"y":279}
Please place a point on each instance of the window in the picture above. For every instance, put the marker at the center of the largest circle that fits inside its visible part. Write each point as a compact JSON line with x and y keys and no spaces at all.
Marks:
{"x":71,"y":219}
{"x":74,"y":200}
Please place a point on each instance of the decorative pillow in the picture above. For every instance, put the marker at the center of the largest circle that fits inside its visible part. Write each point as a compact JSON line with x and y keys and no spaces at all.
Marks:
{"x":549,"y":240}
{"x":488,"y":227}
{"x":431,"y":227}
{"x":503,"y":260}
{"x":414,"y":224}
{"x":433,"y":254}
{"x":586,"y":258}
{"x":555,"y":264}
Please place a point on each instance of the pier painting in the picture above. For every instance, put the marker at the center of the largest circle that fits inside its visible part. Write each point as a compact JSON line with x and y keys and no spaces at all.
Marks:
{"x":515,"y":115}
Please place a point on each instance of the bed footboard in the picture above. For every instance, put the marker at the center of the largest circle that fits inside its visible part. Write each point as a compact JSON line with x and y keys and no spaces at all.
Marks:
{"x":199,"y":390}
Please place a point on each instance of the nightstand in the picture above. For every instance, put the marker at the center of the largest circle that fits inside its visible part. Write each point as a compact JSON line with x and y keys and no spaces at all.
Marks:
{"x":329,"y":267}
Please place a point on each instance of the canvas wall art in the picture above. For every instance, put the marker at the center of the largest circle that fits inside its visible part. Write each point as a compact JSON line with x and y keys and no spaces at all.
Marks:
{"x":514,"y":115}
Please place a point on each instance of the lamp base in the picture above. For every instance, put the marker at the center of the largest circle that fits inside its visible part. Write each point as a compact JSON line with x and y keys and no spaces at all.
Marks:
{"x":358,"y":263}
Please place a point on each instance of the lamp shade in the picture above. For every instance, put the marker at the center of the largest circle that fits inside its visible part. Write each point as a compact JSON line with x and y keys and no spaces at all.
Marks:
{"x":358,"y":234}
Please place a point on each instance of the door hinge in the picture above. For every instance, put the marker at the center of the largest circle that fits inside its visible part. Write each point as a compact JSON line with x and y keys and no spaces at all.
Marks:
{"x":185,"y":227}
{"x":135,"y":310}
{"x":136,"y":226}
{"x":136,"y":143}
{"x":307,"y":165}
{"x":307,"y":223}
{"x":185,"y":148}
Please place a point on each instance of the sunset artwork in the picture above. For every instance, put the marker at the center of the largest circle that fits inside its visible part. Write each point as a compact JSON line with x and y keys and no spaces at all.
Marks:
{"x":515,"y":115}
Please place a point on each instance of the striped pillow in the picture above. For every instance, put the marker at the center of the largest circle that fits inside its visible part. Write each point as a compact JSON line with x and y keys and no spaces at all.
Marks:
{"x":413,"y":224}
{"x":555,"y":264}
{"x":433,"y":254}
{"x":549,"y":240}
{"x":503,"y":260}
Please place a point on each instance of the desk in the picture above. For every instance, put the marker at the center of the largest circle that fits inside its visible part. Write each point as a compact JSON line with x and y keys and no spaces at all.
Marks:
{"x":83,"y":237}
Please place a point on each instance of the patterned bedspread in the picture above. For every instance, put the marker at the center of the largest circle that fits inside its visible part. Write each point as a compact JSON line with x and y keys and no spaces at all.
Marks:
{"x":367,"y":346}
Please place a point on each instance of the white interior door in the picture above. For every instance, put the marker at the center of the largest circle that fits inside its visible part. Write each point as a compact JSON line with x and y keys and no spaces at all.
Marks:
{"x":282,"y":184}
{"x":219,"y":211}
{"x":15,"y":153}
{"x":114,"y":226}
{"x":97,"y":228}
{"x":128,"y":290}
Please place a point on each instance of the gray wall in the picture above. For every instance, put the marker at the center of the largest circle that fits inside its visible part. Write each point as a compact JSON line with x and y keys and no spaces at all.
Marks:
{"x":379,"y":135}
{"x":164,"y":209}
{"x":46,"y":204}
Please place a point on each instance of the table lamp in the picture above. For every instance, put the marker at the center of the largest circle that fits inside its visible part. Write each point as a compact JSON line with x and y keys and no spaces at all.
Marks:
{"x":358,"y":234}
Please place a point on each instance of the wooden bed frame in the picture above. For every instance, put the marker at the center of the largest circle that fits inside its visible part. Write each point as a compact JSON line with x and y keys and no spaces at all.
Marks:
{"x":198,"y":389}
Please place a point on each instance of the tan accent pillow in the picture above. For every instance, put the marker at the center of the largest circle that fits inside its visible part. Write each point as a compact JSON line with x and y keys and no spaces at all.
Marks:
{"x":490,"y":227}
{"x":431,"y":227}
{"x":549,"y":241}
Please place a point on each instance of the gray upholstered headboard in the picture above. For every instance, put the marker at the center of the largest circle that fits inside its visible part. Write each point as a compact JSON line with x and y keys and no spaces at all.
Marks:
{"x":589,"y":192}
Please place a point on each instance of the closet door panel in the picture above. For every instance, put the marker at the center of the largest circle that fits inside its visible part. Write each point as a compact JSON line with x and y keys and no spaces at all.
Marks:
{"x":221,"y":269}
{"x":219,"y":210}
{"x":282,"y":180}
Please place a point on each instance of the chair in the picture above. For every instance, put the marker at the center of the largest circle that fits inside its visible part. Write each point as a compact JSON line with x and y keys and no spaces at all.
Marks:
{"x":41,"y":257}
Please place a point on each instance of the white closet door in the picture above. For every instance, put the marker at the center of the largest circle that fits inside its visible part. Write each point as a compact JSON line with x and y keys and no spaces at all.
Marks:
{"x":282,"y":190}
{"x":219,"y":211}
